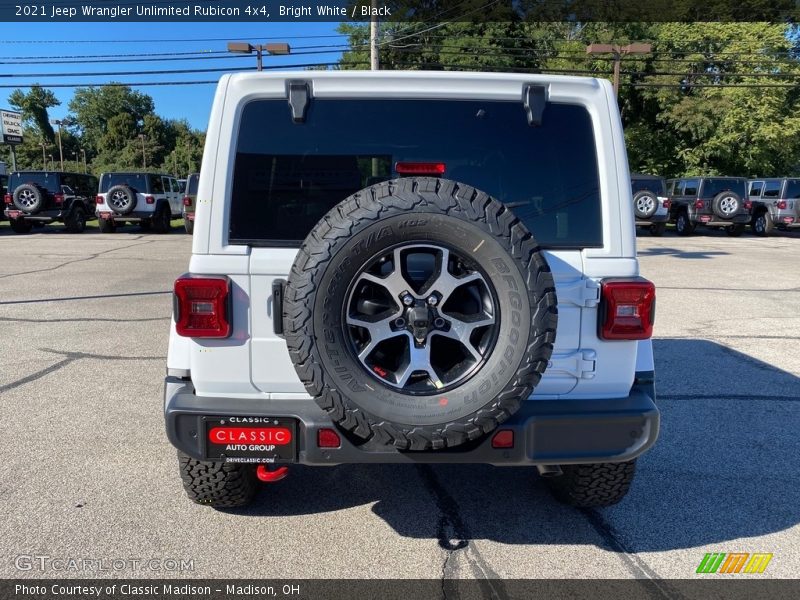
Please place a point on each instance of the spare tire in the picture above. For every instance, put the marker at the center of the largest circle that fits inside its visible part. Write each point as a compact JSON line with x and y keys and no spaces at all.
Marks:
{"x":645,"y":204}
{"x":419,"y":313}
{"x":121,"y":199}
{"x":28,"y":198}
{"x":726,"y":204}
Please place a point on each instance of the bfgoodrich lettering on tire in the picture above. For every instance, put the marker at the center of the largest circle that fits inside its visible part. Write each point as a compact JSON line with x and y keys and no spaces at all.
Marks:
{"x":420,"y":312}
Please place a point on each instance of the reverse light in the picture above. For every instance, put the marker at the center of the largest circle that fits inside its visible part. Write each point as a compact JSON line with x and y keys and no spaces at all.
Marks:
{"x":627,"y":309}
{"x":201,"y":306}
{"x":99,"y":199}
{"x":149,"y":200}
{"x":503,"y":439}
{"x":187,"y":201}
{"x":328,"y":438}
{"x":420,"y":168}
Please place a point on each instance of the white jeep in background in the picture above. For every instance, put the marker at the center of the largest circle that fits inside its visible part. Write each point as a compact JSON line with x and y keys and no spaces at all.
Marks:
{"x":412,"y":267}
{"x":150,"y":199}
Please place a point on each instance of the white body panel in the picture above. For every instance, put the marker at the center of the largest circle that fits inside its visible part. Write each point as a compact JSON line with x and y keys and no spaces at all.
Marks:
{"x":254,"y":362}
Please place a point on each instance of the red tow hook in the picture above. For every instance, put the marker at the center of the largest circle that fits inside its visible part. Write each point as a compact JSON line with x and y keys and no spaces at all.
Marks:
{"x":268,"y":476}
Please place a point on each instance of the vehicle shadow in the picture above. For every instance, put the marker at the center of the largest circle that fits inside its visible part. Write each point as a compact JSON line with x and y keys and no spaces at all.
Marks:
{"x":723,"y":469}
{"x":678,"y":253}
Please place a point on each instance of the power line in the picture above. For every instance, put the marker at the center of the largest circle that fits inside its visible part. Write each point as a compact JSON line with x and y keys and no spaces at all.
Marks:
{"x":174,"y":40}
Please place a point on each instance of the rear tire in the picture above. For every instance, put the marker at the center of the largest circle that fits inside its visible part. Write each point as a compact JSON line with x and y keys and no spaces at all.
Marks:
{"x":735,"y":230}
{"x":162,"y":219}
{"x":188,"y":226}
{"x":107,"y":226}
{"x":593,"y":486}
{"x":20,"y":226}
{"x":217,"y":484}
{"x":75,"y":221}
{"x":683,"y":225}
{"x":762,"y":224}
{"x":657,"y":229}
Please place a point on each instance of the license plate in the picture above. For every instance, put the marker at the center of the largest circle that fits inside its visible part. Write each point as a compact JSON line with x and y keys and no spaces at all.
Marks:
{"x":13,"y":214}
{"x":251,"y":439}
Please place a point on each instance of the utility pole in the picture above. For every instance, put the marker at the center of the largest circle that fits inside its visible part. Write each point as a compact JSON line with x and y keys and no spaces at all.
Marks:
{"x":144,"y":155}
{"x":52,"y":163}
{"x":44,"y":155}
{"x":85,"y":170}
{"x":77,"y":164}
{"x":60,"y":122}
{"x":618,"y":52}
{"x":374,"y":63}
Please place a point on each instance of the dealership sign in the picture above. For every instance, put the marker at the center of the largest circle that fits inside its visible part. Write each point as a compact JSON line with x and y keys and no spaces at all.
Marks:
{"x":11,"y":127}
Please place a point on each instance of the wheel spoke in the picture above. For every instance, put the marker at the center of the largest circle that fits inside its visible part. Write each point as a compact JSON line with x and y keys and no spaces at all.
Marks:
{"x":446,"y":283}
{"x":379,"y":331}
{"x":419,"y":359}
{"x":394,"y":282}
{"x":461,"y":328}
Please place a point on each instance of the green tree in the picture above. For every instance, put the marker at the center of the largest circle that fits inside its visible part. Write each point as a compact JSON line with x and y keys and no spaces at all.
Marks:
{"x":34,"y":107}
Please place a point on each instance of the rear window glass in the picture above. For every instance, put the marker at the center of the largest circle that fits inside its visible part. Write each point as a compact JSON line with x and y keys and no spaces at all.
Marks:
{"x":712,"y":187}
{"x":755,"y":188}
{"x":191,"y":185}
{"x":287,"y":176}
{"x":793,"y":188}
{"x":48,"y":181}
{"x":772,"y":189}
{"x":653,"y":185}
{"x":138,"y":181}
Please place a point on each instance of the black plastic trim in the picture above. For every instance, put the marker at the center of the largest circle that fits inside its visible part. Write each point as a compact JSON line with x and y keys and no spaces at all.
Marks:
{"x":534,"y":99}
{"x":278,"y":289}
{"x":299,"y":94}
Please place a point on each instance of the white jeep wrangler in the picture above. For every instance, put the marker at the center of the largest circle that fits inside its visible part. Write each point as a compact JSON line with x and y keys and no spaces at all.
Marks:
{"x":412,"y":267}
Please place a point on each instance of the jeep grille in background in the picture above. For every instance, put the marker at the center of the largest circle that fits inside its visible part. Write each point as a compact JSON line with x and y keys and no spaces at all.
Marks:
{"x":287,"y":175}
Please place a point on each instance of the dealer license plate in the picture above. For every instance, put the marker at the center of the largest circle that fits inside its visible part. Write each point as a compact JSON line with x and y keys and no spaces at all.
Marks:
{"x":251,"y":439}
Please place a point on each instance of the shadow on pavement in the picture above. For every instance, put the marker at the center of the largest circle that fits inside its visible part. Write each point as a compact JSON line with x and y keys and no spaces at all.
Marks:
{"x":724,"y":468}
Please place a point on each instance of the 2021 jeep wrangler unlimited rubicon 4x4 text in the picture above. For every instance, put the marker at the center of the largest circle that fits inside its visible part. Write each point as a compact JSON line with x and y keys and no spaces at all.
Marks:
{"x":412,"y":268}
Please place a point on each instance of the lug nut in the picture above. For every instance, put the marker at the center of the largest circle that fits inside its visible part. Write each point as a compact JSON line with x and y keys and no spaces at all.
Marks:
{"x":433,"y":300}
{"x":400,"y":323}
{"x":438,"y":322}
{"x":408,"y":300}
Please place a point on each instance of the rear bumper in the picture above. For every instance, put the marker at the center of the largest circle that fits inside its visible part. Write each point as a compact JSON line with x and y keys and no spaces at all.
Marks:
{"x":714,"y":221}
{"x":136,"y":215}
{"x":44,"y":216}
{"x":546,"y":432}
{"x":654,"y":219}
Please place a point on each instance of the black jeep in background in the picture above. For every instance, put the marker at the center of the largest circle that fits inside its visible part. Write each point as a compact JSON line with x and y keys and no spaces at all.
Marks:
{"x":40,"y":197}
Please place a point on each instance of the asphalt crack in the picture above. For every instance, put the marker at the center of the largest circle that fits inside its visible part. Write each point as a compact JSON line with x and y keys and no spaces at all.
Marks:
{"x":455,"y":539}
{"x":69,"y":357}
{"x":94,"y":297}
{"x":97,"y":320}
{"x":647,"y":577}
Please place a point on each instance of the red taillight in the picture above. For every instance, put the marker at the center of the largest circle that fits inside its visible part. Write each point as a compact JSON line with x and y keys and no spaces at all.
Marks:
{"x":503,"y":439}
{"x":328,"y":438}
{"x":7,"y":199}
{"x":667,"y":203}
{"x":699,"y":204}
{"x":748,"y":205}
{"x":419,"y":168}
{"x":187,"y":201}
{"x":149,"y":199}
{"x":99,"y":199}
{"x":781,"y":204}
{"x":201,"y":307}
{"x":58,"y":198}
{"x":627,"y":309}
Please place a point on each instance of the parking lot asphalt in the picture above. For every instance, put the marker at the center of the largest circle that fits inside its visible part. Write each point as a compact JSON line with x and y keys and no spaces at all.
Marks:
{"x":88,"y":472}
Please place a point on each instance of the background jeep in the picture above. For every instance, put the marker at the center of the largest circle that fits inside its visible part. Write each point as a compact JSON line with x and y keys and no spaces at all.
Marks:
{"x":776,"y":203}
{"x":150,"y":199}
{"x":40,"y":197}
{"x":189,"y":198}
{"x":650,"y":202}
{"x":412,"y":267}
{"x":709,"y":201}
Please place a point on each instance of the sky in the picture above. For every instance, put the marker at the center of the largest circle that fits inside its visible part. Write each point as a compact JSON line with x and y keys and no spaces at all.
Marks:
{"x":55,"y":42}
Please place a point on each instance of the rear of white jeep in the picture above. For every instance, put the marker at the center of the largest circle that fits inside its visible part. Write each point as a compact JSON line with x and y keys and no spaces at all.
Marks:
{"x":412,"y":267}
